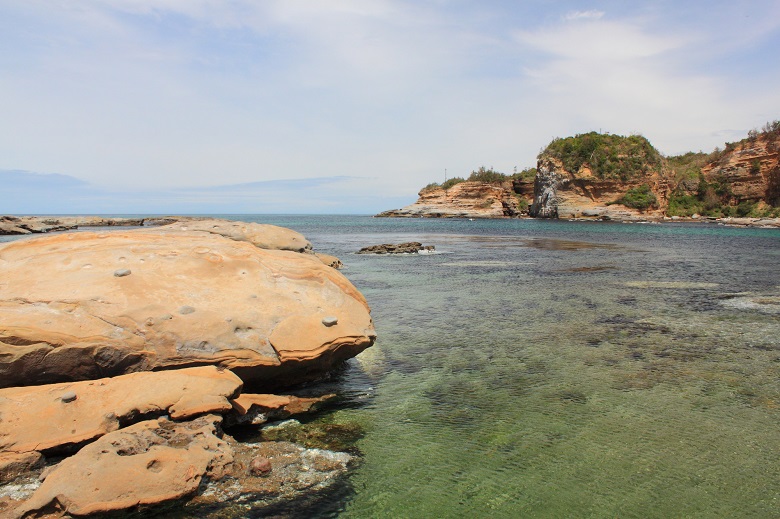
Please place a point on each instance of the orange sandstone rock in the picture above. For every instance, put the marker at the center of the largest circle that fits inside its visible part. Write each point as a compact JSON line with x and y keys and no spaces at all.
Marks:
{"x":463,"y":200}
{"x":183,"y":298}
{"x":260,"y":408}
{"x":145,"y":464}
{"x":260,"y":235}
{"x":40,"y":418}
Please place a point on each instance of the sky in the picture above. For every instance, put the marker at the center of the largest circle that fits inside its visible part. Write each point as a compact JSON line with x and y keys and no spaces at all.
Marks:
{"x":352,"y":106}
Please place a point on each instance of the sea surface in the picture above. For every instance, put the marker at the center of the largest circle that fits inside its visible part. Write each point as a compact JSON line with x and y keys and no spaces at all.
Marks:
{"x":534,"y":368}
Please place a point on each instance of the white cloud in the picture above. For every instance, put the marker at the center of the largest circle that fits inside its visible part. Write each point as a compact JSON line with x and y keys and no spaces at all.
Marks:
{"x":586,"y":15}
{"x":599,"y":40}
{"x":177,"y":93}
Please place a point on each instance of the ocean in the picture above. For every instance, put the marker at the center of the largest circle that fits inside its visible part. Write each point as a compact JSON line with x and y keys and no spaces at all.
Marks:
{"x":535,"y":368}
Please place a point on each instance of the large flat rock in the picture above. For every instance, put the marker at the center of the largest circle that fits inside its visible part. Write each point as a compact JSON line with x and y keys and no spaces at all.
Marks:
{"x":145,"y":464}
{"x":41,"y":418}
{"x":88,"y":305}
{"x":260,"y":235}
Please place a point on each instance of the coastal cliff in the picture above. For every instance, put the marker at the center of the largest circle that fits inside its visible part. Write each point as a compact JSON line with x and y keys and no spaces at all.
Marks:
{"x":605,"y":176}
{"x":600,"y":175}
{"x":464,"y":200}
{"x":751,"y":169}
{"x":484,"y":194}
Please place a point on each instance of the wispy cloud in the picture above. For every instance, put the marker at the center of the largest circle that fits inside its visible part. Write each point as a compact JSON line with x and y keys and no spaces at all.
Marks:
{"x":583,"y":15}
{"x":158,"y":95}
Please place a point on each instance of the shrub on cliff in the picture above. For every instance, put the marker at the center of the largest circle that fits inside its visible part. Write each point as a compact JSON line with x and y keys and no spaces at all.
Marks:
{"x":640,"y":197}
{"x":608,"y":156}
{"x":444,"y":185}
{"x":687,"y":167}
{"x":451,"y":182}
{"x":526,"y":175}
{"x":681,"y":204}
{"x":488,"y":176}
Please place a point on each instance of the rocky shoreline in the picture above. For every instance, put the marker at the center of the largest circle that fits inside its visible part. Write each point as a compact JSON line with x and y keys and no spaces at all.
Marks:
{"x":136,"y":352}
{"x":16,"y":225}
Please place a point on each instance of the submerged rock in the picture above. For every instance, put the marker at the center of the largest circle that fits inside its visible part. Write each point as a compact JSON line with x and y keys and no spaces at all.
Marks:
{"x":263,"y":474}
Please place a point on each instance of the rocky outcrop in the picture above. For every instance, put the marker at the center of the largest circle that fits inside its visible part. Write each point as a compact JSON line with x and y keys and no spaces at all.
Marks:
{"x":54,"y":417}
{"x":261,"y":408}
{"x":85,"y":305}
{"x":750,"y":168}
{"x":136,"y":328}
{"x":413,"y":247}
{"x":151,"y":438}
{"x":14,"y":225}
{"x":44,"y":224}
{"x":463,"y":200}
{"x":263,"y":236}
{"x":559,"y":193}
{"x":148,"y":463}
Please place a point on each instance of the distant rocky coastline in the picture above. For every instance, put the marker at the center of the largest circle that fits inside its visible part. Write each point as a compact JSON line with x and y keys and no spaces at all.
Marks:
{"x":463,"y":200}
{"x":599,"y":176}
{"x":129,"y":354}
{"x":15,"y":225}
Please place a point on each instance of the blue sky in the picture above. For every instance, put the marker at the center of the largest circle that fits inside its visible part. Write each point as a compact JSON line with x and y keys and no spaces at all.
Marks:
{"x":351,"y":106}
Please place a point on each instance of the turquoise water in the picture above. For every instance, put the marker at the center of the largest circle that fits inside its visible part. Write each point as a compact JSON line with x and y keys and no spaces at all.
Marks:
{"x":561,"y":369}
{"x":557,"y":369}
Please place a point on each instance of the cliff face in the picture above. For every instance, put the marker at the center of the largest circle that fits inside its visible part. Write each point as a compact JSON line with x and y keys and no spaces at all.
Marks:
{"x":559,"y":193}
{"x":600,"y":175}
{"x":608,"y":176}
{"x":463,"y":200}
{"x":750,"y":168}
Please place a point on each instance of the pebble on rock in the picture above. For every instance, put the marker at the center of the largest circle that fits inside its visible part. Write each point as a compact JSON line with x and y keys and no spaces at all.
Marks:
{"x":260,"y":466}
{"x":330,"y":321}
{"x":70,"y":396}
{"x":122,"y":273}
{"x":184,"y":310}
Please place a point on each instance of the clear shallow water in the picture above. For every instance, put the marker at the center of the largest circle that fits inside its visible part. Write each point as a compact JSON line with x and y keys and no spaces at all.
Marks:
{"x":561,"y":369}
{"x":558,"y":369}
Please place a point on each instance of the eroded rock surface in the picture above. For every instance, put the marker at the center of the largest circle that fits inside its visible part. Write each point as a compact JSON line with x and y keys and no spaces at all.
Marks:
{"x":290,"y":470}
{"x":44,"y":224}
{"x":463,"y":200}
{"x":43,"y":418}
{"x":147,"y":463}
{"x":263,"y":236}
{"x":260,"y":408}
{"x":581,"y":194}
{"x":186,"y":298}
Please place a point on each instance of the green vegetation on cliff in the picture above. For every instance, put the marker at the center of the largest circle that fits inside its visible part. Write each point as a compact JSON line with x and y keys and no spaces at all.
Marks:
{"x":640,"y":197}
{"x":714,"y":199}
{"x":486,"y":176}
{"x":608,"y":156}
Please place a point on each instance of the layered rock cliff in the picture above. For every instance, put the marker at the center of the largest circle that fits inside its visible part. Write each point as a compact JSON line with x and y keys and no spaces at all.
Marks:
{"x":607,"y":176}
{"x":596,"y":175}
{"x":464,"y":200}
{"x":750,"y":168}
